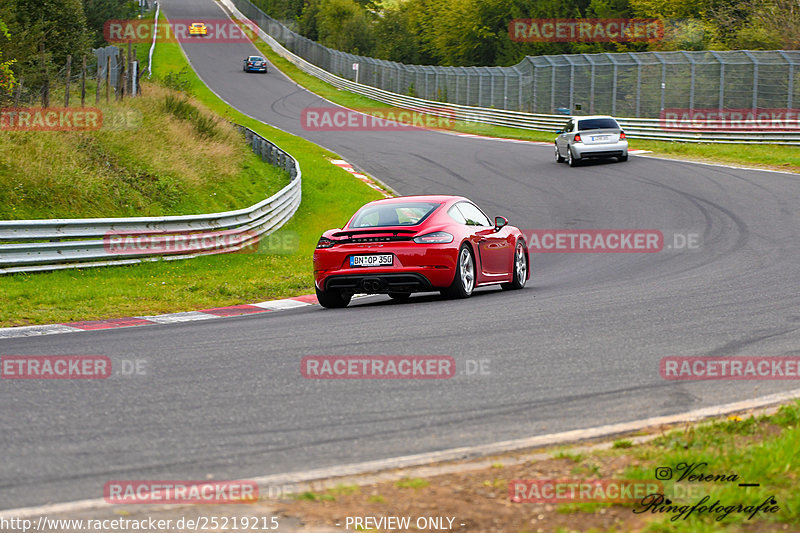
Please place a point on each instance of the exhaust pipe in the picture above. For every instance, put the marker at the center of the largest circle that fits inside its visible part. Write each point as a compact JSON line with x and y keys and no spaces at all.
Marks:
{"x":371,"y":286}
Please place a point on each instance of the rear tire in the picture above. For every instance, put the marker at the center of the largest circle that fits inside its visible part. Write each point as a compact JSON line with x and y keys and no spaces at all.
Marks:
{"x":559,"y":159}
{"x":333,"y":299}
{"x":622,"y":158}
{"x":520,"y":269}
{"x":464,"y":279}
{"x":571,"y":161}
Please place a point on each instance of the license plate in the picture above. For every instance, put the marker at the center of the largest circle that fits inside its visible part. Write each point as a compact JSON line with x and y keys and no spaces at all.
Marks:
{"x":601,"y":137}
{"x":370,"y":260}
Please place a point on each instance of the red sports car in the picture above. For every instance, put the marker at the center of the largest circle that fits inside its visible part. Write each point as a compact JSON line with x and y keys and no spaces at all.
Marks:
{"x":415,"y":244}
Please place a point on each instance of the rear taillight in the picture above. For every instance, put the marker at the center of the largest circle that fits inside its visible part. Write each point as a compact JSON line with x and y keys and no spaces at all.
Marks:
{"x":622,"y":135}
{"x":325,"y":242}
{"x":437,"y":237}
{"x":577,"y":138}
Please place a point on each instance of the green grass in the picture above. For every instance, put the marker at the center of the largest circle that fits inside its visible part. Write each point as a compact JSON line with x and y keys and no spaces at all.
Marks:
{"x":160,"y":164}
{"x":281,"y":267}
{"x":765,"y":156}
{"x":314,"y":497}
{"x":759,"y":450}
{"x":412,"y":483}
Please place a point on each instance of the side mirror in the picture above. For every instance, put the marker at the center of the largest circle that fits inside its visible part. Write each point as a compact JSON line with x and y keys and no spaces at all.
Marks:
{"x":500,"y":223}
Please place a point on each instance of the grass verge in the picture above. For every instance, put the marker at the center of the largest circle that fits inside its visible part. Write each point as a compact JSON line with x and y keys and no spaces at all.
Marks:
{"x":775,"y":157}
{"x":158,"y":154}
{"x":280,"y":267}
{"x":749,"y":449}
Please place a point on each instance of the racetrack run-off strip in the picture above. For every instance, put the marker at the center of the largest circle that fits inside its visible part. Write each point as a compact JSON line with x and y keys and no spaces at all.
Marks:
{"x":169,"y":318}
{"x":363,"y":177}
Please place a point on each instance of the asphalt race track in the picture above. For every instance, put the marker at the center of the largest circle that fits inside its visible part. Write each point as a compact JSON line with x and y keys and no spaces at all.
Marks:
{"x":579,"y":347}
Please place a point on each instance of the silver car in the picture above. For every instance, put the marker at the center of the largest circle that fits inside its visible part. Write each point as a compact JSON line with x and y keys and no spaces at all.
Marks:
{"x":589,"y":138}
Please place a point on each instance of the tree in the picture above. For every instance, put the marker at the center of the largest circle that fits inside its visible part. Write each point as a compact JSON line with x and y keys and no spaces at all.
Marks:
{"x":7,"y":79}
{"x":344,"y":25}
{"x":99,"y":11}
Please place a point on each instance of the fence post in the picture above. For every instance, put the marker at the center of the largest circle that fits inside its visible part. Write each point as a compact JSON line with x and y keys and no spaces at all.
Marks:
{"x":571,"y":87}
{"x":638,"y":85}
{"x":120,"y":76}
{"x":136,"y":74}
{"x":614,"y":92}
{"x":83,"y":81}
{"x":128,"y":77}
{"x":45,"y":81}
{"x":66,"y":87}
{"x":505,"y":90}
{"x":108,"y":77}
{"x":663,"y":81}
{"x":19,"y":91}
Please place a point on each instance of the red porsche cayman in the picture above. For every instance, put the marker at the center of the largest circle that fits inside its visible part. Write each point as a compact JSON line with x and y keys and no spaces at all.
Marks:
{"x":415,"y":244}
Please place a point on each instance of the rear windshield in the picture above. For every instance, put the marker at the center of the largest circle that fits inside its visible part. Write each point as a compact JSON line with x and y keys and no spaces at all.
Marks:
{"x":255,"y":58}
{"x":598,"y":124}
{"x":400,"y":214}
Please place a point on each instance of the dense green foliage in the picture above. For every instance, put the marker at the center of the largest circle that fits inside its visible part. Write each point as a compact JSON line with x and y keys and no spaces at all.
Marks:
{"x":475,"y":32}
{"x":36,"y":36}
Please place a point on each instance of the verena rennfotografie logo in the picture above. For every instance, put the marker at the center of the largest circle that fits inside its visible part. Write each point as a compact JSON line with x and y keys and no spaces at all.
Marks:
{"x":179,"y":492}
{"x":194,"y":30}
{"x":736,"y":367}
{"x":50,"y":119}
{"x":375,"y":119}
{"x":593,"y":240}
{"x":586,"y":30}
{"x":581,"y":490}
{"x":135,"y":243}
{"x":55,"y":367}
{"x":378,"y":367}
{"x":684,"y":119}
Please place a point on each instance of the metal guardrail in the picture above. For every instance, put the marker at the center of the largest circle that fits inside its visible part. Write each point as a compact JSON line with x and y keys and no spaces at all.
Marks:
{"x":55,"y":244}
{"x":641,"y":128}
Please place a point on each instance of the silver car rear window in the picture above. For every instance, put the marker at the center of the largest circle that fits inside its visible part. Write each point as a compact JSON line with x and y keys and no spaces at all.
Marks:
{"x":598,"y":124}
